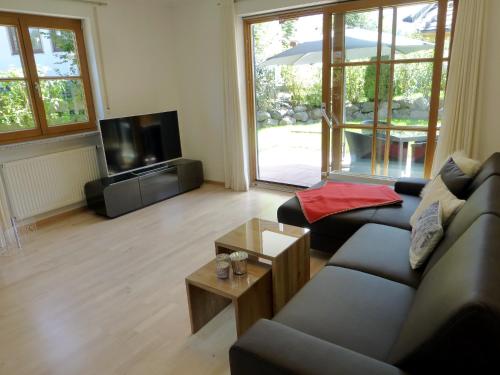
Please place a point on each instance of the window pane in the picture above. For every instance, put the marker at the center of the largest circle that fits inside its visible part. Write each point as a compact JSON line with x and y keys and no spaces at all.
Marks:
{"x":60,"y":58}
{"x":64,"y":101}
{"x":361,"y":36}
{"x":387,"y":31}
{"x":442,"y":92}
{"x":36,"y":40}
{"x":449,"y":24}
{"x":10,"y":60}
{"x":357,"y":151}
{"x":383,"y":93}
{"x":15,"y":108}
{"x":288,"y":85}
{"x":411,"y":94}
{"x":416,"y":30}
{"x":359,"y":94}
{"x":403,"y":155}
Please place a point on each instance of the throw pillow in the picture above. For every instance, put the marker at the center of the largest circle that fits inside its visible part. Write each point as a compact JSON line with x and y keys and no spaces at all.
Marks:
{"x":436,"y":190}
{"x":454,"y":178}
{"x":469,"y":166}
{"x":425,"y":235}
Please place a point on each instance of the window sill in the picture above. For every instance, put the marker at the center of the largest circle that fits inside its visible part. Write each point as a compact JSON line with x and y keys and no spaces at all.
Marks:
{"x":49,"y":139}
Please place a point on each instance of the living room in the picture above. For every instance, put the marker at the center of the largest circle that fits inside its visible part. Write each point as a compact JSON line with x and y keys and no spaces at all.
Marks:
{"x":111,"y":264}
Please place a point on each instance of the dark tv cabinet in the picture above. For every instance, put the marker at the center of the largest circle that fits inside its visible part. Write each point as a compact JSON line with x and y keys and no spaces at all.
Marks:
{"x":117,"y":195}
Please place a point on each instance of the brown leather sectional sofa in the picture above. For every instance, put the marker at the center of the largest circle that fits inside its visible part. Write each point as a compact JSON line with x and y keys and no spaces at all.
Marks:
{"x":368,"y":312}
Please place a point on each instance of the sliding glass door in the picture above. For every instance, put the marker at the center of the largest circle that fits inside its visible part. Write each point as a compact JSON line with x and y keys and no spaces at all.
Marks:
{"x":387,"y":84}
{"x":378,"y":67}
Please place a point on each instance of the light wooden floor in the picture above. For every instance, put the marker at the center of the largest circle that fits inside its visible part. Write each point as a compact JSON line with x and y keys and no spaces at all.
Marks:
{"x":95,"y":296}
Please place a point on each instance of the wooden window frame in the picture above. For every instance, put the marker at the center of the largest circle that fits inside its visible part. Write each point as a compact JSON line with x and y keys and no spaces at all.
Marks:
{"x":23,"y":22}
{"x":334,"y":139}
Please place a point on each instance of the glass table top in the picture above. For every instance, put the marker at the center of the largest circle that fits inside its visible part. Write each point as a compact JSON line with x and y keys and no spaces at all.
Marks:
{"x":262,"y":238}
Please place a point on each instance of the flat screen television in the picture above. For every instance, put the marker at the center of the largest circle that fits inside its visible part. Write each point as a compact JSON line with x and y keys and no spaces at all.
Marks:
{"x":136,"y":142}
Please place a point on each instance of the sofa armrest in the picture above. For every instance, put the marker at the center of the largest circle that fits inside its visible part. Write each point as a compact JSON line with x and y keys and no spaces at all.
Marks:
{"x":410,"y":185}
{"x":273,"y":348}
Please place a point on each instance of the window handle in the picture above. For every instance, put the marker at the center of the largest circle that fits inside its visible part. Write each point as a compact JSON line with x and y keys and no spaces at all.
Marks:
{"x":334,"y":121}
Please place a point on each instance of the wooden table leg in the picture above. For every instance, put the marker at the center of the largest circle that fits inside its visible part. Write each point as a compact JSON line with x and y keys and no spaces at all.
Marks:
{"x":290,"y":272}
{"x":203,"y":306}
{"x":254,"y":304}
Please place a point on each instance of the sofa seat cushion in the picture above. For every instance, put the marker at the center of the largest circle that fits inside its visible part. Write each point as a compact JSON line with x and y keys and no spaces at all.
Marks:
{"x":353,"y":309}
{"x":397,"y":216}
{"x":379,"y":250}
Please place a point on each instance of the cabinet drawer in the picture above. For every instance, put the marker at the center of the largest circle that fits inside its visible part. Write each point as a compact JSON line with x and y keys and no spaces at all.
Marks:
{"x":158,"y":185}
{"x":122,"y":197}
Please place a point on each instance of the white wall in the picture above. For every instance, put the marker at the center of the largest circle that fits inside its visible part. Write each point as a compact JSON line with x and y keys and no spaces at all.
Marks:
{"x":489,"y":141}
{"x":138,"y":47}
{"x":251,"y":7}
{"x":199,"y":73}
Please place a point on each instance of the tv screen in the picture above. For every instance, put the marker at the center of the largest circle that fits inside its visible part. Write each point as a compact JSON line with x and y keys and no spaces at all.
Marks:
{"x":139,"y":141}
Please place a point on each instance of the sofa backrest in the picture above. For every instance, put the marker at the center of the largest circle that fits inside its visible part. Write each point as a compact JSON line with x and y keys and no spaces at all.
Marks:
{"x":454,"y":321}
{"x":485,"y":199}
{"x":490,"y":167}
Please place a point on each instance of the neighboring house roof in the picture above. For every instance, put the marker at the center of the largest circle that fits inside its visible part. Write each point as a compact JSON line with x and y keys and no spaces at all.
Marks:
{"x":425,"y":19}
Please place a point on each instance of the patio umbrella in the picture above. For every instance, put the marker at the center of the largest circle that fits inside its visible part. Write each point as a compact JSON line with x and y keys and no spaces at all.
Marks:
{"x":359,"y":43}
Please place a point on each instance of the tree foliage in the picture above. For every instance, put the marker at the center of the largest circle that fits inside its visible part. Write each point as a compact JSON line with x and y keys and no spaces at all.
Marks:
{"x":360,"y":20}
{"x":15,"y":112}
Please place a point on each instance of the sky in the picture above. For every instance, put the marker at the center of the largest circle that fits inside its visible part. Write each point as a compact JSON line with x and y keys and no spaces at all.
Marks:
{"x":310,"y":28}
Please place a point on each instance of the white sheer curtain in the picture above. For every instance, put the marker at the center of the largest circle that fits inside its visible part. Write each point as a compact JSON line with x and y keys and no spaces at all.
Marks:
{"x":460,"y":129}
{"x":235,"y":166}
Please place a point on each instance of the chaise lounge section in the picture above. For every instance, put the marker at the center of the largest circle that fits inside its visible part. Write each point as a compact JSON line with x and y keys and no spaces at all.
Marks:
{"x":368,"y":312}
{"x":329,"y":233}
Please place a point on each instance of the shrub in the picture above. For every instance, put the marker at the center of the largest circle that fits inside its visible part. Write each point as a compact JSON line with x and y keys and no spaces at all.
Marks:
{"x":306,"y":93}
{"x":412,"y":80}
{"x":14,"y":109}
{"x":266,"y":92}
{"x":354,"y":84}
{"x":369,"y":81}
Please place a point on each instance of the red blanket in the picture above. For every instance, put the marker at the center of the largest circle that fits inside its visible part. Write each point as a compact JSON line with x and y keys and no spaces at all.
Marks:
{"x":335,"y":197}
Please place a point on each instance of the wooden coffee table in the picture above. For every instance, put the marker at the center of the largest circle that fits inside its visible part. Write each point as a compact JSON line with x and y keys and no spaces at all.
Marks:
{"x":285,"y":247}
{"x":251,"y":295}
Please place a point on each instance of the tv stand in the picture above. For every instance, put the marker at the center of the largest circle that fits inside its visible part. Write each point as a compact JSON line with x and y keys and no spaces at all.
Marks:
{"x":118,"y":195}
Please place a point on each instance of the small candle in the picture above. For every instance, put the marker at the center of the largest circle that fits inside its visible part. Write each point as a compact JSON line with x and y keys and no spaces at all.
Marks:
{"x":239,"y":262}
{"x":223,"y":263}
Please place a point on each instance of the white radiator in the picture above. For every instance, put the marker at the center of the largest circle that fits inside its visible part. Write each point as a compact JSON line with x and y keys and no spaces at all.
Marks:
{"x":41,"y":184}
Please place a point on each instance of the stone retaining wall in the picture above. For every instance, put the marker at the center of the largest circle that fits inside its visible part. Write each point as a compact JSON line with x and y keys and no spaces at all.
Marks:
{"x":417,"y":109}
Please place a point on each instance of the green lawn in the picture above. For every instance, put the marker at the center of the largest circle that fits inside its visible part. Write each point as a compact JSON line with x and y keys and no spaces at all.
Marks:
{"x":304,"y":139}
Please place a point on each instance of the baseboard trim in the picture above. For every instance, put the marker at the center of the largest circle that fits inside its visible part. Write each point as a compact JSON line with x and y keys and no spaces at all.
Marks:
{"x":212,"y":182}
{"x":59,"y":216}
